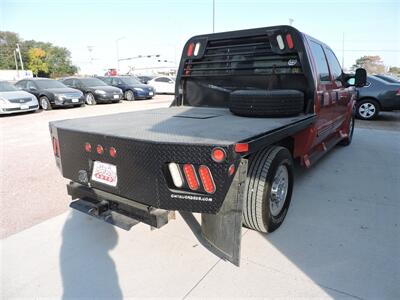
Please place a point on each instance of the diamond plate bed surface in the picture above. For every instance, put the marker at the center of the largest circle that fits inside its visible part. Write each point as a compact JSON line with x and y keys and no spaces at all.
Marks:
{"x":186,"y":125}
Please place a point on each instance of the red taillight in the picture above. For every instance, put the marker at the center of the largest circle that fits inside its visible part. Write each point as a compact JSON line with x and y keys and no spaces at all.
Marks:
{"x":190,"y":49}
{"x":56,"y":147}
{"x":231,"y":170}
{"x":99,"y":149}
{"x":113,"y":152}
{"x":191,"y":177}
{"x":88,"y":147}
{"x":289,"y":41}
{"x":207,"y":179}
{"x":241,"y":147}
{"x":218,"y":154}
{"x":398,"y":92}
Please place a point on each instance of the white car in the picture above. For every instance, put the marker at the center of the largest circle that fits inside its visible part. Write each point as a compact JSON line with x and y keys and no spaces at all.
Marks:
{"x":13,"y":100}
{"x":163,"y":85}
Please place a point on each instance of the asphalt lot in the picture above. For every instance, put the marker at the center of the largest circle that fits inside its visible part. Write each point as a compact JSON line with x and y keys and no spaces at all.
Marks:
{"x":341,"y":238}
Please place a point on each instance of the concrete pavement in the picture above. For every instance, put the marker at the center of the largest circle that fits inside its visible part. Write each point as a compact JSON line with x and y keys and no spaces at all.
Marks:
{"x":341,"y":239}
{"x":31,"y":188}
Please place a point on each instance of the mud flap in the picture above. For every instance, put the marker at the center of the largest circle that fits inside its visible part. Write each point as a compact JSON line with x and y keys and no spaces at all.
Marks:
{"x":223,"y":230}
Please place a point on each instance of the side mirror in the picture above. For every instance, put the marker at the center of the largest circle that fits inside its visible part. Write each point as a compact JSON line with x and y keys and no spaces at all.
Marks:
{"x":32,"y":88}
{"x":360,"y":78}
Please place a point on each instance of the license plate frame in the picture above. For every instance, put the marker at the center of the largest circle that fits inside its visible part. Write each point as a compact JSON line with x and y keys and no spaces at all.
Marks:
{"x":104,"y":173}
{"x":75,"y":100}
{"x":24,"y":107}
{"x":116,"y":96}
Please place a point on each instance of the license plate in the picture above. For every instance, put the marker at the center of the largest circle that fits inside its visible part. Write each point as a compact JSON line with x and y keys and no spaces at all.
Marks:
{"x":104,"y":173}
{"x":151,"y":93}
{"x":75,"y":100}
{"x":116,"y":97}
{"x":24,"y":107}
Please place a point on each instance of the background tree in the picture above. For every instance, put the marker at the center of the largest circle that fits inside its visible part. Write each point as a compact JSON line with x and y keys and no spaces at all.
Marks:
{"x":8,"y":43}
{"x":57,"y":59}
{"x":394,"y":70}
{"x":37,"y":61}
{"x":373,"y":64}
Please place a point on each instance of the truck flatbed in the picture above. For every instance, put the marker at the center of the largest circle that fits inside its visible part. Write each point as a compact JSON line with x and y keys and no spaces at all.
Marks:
{"x":182,"y":125}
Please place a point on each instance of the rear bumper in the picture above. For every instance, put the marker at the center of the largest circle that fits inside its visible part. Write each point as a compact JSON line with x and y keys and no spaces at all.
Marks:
{"x":115,"y":210}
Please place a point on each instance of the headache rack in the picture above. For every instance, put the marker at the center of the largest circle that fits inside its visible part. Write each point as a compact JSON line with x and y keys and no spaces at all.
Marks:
{"x":244,"y":56}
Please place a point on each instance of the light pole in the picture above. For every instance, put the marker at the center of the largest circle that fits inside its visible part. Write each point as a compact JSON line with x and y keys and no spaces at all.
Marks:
{"x":20,"y":57}
{"x":117,"y":45}
{"x":213,"y":16}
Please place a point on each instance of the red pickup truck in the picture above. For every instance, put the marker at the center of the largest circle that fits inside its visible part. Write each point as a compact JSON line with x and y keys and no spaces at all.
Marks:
{"x":247,"y":104}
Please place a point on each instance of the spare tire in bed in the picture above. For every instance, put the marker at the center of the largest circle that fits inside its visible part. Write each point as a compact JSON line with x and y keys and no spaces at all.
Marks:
{"x":266,"y":103}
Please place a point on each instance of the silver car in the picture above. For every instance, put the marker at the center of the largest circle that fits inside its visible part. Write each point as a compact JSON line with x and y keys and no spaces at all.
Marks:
{"x":12,"y":100}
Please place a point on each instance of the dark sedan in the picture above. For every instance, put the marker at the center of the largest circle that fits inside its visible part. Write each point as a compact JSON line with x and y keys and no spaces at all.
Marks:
{"x":95,"y":90}
{"x":51,"y":93}
{"x":133,"y":89}
{"x":388,"y":78}
{"x":378,"y":95}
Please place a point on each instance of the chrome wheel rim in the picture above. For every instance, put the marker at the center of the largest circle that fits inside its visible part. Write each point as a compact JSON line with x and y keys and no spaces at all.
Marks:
{"x":367,"y":110}
{"x":129,"y":95}
{"x":43,"y":103}
{"x":89,"y":99}
{"x":279,"y":190}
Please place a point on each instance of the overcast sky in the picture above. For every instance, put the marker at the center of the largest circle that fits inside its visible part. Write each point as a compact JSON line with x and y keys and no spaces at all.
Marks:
{"x":162,"y":27}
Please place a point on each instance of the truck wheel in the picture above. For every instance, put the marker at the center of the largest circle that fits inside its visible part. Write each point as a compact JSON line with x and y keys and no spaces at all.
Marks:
{"x":268,"y":189}
{"x":89,"y":99}
{"x":347,"y":141}
{"x":266,"y":103}
{"x":129,"y":95}
{"x":367,"y":109}
{"x":45,"y":103}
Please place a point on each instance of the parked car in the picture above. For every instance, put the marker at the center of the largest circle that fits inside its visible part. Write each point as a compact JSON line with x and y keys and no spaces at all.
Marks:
{"x":163,"y":84}
{"x":133,"y":89}
{"x":388,"y":78}
{"x":377,"y":95}
{"x":95,"y":90}
{"x":51,"y":93}
{"x":144,"y":79}
{"x":13,"y":100}
{"x":226,"y":146}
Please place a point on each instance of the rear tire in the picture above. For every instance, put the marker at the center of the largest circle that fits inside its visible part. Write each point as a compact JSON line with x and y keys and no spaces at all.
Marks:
{"x":268,"y":189}
{"x":367,"y":109}
{"x":45,"y":103}
{"x":89,"y":99}
{"x":266,"y":103}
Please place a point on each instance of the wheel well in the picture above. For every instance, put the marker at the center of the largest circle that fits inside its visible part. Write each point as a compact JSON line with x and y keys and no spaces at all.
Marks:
{"x":288,"y":143}
{"x":370,"y":98}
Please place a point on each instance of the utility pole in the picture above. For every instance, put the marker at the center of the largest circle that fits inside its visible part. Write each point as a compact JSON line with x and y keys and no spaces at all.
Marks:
{"x":16,"y":63}
{"x":343,"y":51}
{"x":213,"y":16}
{"x":117,"y":46}
{"x":20,"y":57}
